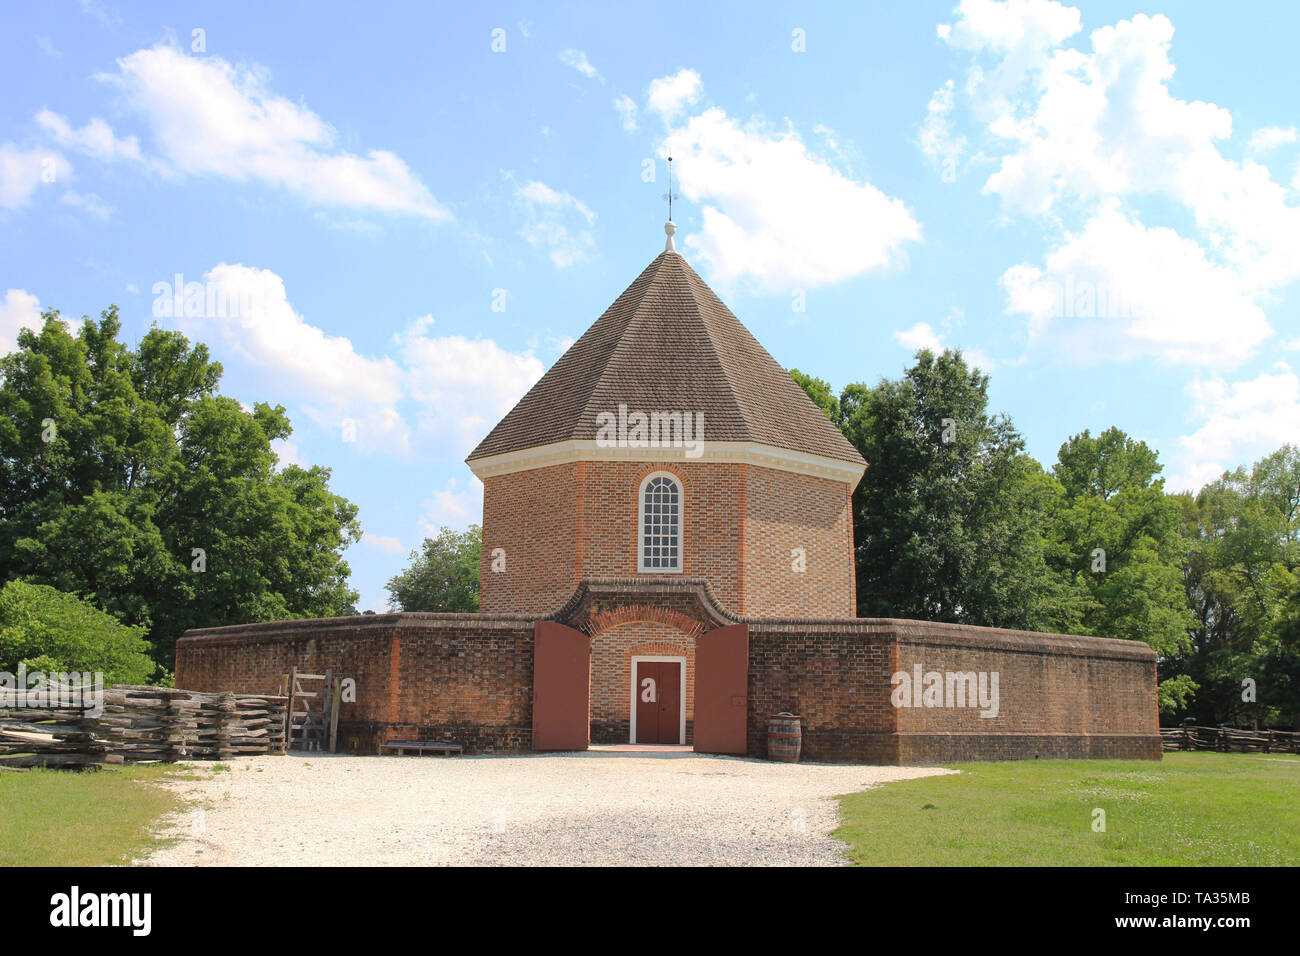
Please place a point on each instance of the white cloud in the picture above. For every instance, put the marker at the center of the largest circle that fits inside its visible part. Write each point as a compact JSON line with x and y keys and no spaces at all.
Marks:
{"x":670,"y":95}
{"x":1118,"y":289}
{"x":452,"y":506}
{"x":89,"y":203}
{"x":22,"y":171}
{"x":95,"y":139}
{"x":626,"y":107}
{"x":1085,"y":136}
{"x":919,"y":336}
{"x":1271,"y":137}
{"x":456,"y":387}
{"x":775,"y":212}
{"x":209,"y":117}
{"x":380,"y":543}
{"x":578,"y":60}
{"x":18,"y":310}
{"x":287,"y":452}
{"x":924,"y":336}
{"x":1241,"y":422}
{"x":939,"y":143}
{"x":101,"y":12}
{"x":464,"y":386}
{"x":557,"y":222}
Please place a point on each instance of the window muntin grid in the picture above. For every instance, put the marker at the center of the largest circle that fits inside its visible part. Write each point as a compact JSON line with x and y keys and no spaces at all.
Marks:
{"x":661,"y":524}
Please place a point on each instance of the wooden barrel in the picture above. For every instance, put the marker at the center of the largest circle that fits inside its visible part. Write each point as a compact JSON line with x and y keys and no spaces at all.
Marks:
{"x":784,"y":738}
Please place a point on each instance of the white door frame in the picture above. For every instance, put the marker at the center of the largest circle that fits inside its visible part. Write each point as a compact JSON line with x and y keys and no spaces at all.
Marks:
{"x":681,"y":730}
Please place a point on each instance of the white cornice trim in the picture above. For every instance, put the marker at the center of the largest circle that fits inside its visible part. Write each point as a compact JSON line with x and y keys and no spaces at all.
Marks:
{"x":751,"y":453}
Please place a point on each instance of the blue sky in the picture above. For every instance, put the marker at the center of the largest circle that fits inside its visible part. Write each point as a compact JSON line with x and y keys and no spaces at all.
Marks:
{"x":416,"y":210}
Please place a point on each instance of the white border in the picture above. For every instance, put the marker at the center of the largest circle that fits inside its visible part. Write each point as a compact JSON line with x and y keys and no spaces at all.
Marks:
{"x":640,"y":524}
{"x":766,"y":456}
{"x":681,"y":730}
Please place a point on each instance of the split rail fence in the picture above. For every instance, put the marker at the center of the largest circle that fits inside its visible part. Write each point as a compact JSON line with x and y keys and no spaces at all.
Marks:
{"x":140,"y":725}
{"x":1227,"y":739}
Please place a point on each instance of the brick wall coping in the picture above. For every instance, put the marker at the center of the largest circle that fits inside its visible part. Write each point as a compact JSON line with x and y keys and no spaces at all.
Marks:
{"x":643,"y":589}
{"x":407,"y":620}
{"x":610,"y":595}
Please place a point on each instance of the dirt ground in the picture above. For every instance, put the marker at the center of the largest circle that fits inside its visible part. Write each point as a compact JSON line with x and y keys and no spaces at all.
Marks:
{"x":593,"y":808}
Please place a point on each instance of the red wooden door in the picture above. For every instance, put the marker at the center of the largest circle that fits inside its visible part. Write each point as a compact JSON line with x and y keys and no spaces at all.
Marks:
{"x":658,"y":702}
{"x":722,"y":690}
{"x":561,"y":687}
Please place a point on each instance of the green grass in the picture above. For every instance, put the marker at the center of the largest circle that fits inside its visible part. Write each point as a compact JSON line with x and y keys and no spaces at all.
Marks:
{"x":94,"y":818}
{"x":1190,"y":809}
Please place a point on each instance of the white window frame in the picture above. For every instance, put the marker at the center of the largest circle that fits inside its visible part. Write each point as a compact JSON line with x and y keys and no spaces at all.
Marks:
{"x":640,"y":524}
{"x":681,"y":729}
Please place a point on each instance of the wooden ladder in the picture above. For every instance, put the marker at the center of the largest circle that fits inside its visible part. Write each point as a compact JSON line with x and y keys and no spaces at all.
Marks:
{"x":310,"y":726}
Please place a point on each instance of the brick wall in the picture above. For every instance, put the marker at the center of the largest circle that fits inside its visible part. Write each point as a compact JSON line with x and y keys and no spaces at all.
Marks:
{"x":1058,"y":696}
{"x":468,"y":677}
{"x":462,"y":677}
{"x":785,"y":511}
{"x":563,"y":523}
{"x":534,"y":516}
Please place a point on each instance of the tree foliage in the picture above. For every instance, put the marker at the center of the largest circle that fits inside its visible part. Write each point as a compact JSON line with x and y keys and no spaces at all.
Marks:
{"x":443,"y":575}
{"x":127,"y":480}
{"x":44,"y":629}
{"x":948,"y":519}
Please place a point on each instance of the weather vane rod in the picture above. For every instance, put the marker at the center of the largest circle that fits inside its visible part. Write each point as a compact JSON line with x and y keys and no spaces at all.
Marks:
{"x":670,"y":195}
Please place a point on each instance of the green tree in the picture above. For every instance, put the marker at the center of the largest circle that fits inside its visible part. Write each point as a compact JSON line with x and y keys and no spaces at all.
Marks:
{"x":1241,"y":536}
{"x":1121,"y":547}
{"x":44,"y":629}
{"x":951,"y":516}
{"x":127,"y":480}
{"x":819,"y":390}
{"x":443,"y":575}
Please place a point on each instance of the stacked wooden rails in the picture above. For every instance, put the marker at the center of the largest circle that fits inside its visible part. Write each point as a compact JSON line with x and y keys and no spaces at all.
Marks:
{"x":143,"y":724}
{"x":1229,"y":739}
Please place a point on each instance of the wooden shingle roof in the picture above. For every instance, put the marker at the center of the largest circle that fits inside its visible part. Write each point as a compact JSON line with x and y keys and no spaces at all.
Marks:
{"x":668,"y":343}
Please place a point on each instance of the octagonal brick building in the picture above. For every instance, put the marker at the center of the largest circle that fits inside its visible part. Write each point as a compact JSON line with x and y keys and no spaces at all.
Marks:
{"x":668,"y":560}
{"x":745,"y":483}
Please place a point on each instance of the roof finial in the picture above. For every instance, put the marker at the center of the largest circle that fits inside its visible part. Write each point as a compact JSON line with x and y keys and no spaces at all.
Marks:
{"x":670,"y":227}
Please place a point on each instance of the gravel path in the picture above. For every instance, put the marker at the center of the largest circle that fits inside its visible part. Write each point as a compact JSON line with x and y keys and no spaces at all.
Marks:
{"x":552,"y":809}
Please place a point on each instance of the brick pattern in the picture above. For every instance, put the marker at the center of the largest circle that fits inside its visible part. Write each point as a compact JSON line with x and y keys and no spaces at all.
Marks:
{"x":534,"y":516}
{"x":612,"y":651}
{"x":468,"y":677}
{"x":462,"y":677}
{"x":561,"y":524}
{"x":785,"y":511}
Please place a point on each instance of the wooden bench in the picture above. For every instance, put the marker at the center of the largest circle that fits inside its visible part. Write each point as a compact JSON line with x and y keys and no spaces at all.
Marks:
{"x":400,"y":747}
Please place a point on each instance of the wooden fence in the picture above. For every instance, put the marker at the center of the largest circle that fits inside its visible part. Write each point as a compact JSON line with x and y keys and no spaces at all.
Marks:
{"x":1227,"y":739}
{"x":143,"y":724}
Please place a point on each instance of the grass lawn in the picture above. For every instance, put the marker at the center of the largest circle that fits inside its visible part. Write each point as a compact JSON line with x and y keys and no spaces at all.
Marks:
{"x":1190,"y":809}
{"x":93,"y":818}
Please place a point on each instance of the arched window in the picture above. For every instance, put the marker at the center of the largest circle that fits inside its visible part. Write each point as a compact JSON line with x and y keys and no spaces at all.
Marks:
{"x":661,"y":525}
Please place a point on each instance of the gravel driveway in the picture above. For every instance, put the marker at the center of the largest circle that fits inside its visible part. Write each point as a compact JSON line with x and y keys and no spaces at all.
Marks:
{"x":553,"y":809}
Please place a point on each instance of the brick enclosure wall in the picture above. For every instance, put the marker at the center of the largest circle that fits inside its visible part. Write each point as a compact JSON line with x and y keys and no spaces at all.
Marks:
{"x":462,"y":677}
{"x":468,"y":677}
{"x":1059,"y":696}
{"x":563,"y":523}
